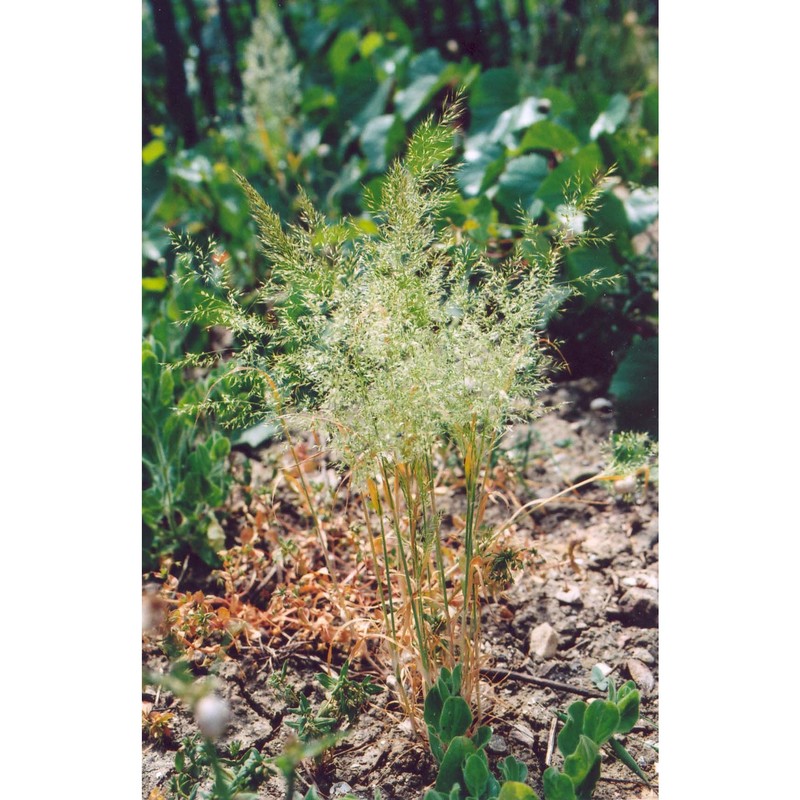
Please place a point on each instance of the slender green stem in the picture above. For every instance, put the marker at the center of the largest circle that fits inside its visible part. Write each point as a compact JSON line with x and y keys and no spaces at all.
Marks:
{"x":220,"y":779}
{"x":423,"y":650}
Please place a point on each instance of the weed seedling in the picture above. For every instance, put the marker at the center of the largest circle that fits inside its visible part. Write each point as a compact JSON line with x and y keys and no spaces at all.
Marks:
{"x":345,"y":698}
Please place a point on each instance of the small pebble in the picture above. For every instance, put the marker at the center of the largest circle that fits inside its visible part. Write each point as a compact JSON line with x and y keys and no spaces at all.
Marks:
{"x":497,"y":744}
{"x":645,"y":580}
{"x":644,"y":655}
{"x":641,"y":675}
{"x":600,"y":404}
{"x":543,"y":641}
{"x":604,"y":668}
{"x":570,"y":596}
{"x":639,"y":607}
{"x":625,"y":485}
{"x":522,"y":734}
{"x":340,"y":789}
{"x":406,"y":727}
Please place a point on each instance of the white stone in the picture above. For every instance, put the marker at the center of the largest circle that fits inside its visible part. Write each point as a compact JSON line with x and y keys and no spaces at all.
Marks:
{"x":600,"y":404}
{"x":570,"y":596}
{"x":543,"y":641}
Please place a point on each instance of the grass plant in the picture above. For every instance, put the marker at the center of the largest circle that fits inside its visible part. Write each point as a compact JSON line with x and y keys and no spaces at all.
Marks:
{"x":391,"y":337}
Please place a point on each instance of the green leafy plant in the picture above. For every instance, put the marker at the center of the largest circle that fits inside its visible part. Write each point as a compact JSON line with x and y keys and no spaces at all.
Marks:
{"x":345,"y":698}
{"x":198,"y":758}
{"x":185,"y":476}
{"x":294,"y":753}
{"x":587,"y":727}
{"x":233,"y":777}
{"x":463,"y":766}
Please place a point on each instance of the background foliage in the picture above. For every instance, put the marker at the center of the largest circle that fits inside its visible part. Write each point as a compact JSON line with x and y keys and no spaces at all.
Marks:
{"x":324,"y":94}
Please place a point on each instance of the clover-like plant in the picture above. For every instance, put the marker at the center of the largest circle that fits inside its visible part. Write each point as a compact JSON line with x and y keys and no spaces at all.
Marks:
{"x":587,"y":728}
{"x":464,"y":772}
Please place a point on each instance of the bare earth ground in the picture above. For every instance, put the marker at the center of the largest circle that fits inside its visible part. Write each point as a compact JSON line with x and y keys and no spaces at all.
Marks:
{"x":593,"y":577}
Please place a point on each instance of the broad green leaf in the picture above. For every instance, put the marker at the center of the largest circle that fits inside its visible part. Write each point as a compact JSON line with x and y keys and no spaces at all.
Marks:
{"x":513,"y":770}
{"x":513,"y":790}
{"x":156,"y":284}
{"x":571,"y":732}
{"x":514,"y":119}
{"x":594,"y":270}
{"x":344,"y":47}
{"x":370,"y":43}
{"x":546,"y":135}
{"x":316,"y":97}
{"x":153,"y":150}
{"x":574,"y":174}
{"x":611,"y":219}
{"x":150,"y":368}
{"x":561,"y":103}
{"x":425,"y":72}
{"x":579,"y":764}
{"x":455,"y":678}
{"x":520,"y":180}
{"x":480,"y":167}
{"x":476,"y":774}
{"x":641,"y":207}
{"x":557,"y":785}
{"x":435,"y":743}
{"x":411,"y":99}
{"x":601,"y":720}
{"x":492,"y":93}
{"x":433,"y":707}
{"x":628,"y":706}
{"x":166,"y":387}
{"x":635,"y":387}
{"x":650,"y":111}
{"x":220,"y":447}
{"x":456,"y":717}
{"x":585,"y":788}
{"x":326,"y":681}
{"x":360,"y":97}
{"x":613,"y":116}
{"x":481,"y":737}
{"x":380,"y":140}
{"x":450,"y":771}
{"x":626,"y":689}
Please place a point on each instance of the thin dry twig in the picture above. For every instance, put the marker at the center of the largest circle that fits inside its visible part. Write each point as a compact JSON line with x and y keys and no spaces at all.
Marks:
{"x":551,"y":741}
{"x":495,"y":672}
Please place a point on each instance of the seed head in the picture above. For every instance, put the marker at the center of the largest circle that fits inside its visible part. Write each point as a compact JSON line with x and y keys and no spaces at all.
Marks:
{"x":212,"y":714}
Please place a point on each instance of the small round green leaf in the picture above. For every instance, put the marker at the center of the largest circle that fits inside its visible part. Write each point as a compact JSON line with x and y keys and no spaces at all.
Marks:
{"x":579,"y":764}
{"x":601,"y":720}
{"x":513,"y":790}
{"x":456,"y":717}
{"x":476,"y":774}
{"x":557,"y":785}
{"x":628,"y":707}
